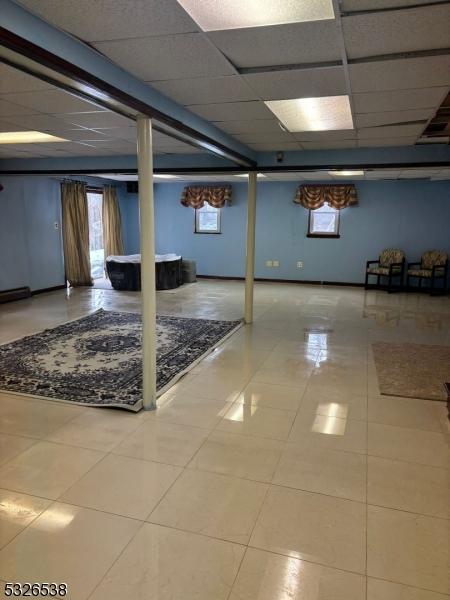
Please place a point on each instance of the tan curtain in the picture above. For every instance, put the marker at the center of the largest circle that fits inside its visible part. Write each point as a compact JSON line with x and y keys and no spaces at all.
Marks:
{"x":338,"y":196}
{"x":112,"y":223}
{"x":75,"y":221}
{"x":216,"y":196}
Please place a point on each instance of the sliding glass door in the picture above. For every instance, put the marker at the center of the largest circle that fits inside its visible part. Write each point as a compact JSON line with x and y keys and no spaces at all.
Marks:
{"x":96,"y":248}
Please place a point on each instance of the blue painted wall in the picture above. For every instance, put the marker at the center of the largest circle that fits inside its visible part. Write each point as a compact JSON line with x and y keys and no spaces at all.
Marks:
{"x":31,"y":249}
{"x":413,"y":215}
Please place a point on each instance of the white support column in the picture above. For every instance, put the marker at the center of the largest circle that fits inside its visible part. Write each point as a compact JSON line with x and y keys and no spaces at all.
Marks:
{"x":147,"y":236}
{"x":250,"y":259}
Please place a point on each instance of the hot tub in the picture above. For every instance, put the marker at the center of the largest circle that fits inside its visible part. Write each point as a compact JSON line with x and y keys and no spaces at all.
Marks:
{"x":124,"y":272}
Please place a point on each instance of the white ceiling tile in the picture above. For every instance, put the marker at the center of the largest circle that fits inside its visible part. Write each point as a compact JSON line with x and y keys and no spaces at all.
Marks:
{"x":393,"y":32}
{"x":168,"y":57}
{"x":206,"y":90}
{"x":40,"y":122}
{"x":392,"y":117}
{"x":390,"y":131}
{"x":279,"y":44}
{"x":382,"y":174}
{"x":52,"y":102}
{"x":77,"y":135}
{"x":352,"y":5}
{"x":398,"y":141}
{"x":323,"y":145}
{"x":13,"y":80}
{"x":418,"y":173}
{"x":273,"y":137}
{"x":275,"y":147}
{"x":400,"y":74}
{"x":315,"y":176}
{"x":248,"y":126}
{"x":125,"y":133}
{"x":97,"y":120}
{"x":8,"y":109}
{"x":328,"y":136}
{"x":398,"y":100}
{"x":9,"y":126}
{"x":113,"y":19}
{"x":229,"y":111}
{"x":298,"y":83}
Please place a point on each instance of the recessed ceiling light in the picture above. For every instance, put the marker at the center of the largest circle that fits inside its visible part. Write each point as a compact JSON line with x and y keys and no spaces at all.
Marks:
{"x":313,"y":114}
{"x":215,"y":15}
{"x":346,"y":173}
{"x":246,"y":175}
{"x":28,"y":137}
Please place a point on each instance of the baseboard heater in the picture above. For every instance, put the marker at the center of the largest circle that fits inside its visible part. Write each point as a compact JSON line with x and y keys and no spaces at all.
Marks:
{"x":15,"y":294}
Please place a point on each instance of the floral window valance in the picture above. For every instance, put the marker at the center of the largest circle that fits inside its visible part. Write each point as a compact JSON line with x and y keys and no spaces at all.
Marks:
{"x":338,"y":196}
{"x":216,"y":196}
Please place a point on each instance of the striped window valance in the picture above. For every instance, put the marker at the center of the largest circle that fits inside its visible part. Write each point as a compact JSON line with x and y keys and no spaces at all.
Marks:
{"x":314,"y":196}
{"x":216,"y":196}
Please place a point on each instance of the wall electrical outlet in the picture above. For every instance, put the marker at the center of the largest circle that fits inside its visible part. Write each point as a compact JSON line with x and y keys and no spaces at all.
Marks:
{"x":269,"y":263}
{"x":299,"y":264}
{"x":56,"y":225}
{"x":276,"y":263}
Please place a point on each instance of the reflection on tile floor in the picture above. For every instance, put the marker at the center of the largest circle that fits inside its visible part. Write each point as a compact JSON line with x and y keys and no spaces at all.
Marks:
{"x":273,"y":471}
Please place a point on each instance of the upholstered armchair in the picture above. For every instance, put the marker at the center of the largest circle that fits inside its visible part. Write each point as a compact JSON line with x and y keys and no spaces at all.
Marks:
{"x":390,"y":264}
{"x":433,"y":267}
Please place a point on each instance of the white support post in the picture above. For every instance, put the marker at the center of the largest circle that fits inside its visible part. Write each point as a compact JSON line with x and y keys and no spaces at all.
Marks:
{"x":147,"y":236}
{"x":250,"y":258}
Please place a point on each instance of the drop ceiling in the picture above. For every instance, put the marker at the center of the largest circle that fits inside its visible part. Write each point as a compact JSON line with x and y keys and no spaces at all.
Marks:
{"x":432,"y":174}
{"x":391,"y":57}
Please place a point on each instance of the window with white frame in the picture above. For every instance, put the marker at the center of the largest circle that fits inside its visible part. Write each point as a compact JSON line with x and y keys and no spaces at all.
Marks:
{"x":323,"y":222}
{"x":207,"y":219}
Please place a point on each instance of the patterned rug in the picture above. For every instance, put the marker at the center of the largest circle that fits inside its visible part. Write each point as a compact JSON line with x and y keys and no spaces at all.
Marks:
{"x":412,"y":370}
{"x":96,"y":360}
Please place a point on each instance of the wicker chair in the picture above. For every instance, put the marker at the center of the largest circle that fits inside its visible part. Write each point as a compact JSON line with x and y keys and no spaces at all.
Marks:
{"x":390,"y":264}
{"x":433,"y":267}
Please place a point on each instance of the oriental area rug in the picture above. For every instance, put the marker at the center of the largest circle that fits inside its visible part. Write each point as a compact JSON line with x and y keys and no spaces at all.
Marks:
{"x":97,"y":360}
{"x":412,"y":370}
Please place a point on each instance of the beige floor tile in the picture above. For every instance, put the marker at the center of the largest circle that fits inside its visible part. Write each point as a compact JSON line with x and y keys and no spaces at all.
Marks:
{"x":258,"y":421}
{"x":97,"y":429}
{"x":124,"y":486}
{"x":404,"y":412}
{"x":409,"y":487}
{"x":191,"y":411}
{"x":166,"y":564}
{"x":17,"y":511}
{"x":163,"y":442}
{"x":316,"y":528}
{"x":47,"y":469}
{"x":267,"y":576}
{"x":408,"y":548}
{"x":412,"y":445}
{"x":270,"y":396}
{"x":282,"y":376}
{"x":67,"y":544}
{"x":32,"y":417}
{"x":306,"y":466}
{"x":240,"y":455}
{"x":225,"y":387}
{"x":12,"y":445}
{"x":215,"y":505}
{"x":386,"y":590}
{"x":329,"y":432}
{"x":332,"y":402}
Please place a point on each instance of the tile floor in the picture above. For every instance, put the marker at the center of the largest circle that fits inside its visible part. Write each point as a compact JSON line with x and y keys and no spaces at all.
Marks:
{"x":273,"y":471}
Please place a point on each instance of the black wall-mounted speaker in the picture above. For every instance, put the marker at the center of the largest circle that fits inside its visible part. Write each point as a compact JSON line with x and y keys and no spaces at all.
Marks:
{"x":132,"y":187}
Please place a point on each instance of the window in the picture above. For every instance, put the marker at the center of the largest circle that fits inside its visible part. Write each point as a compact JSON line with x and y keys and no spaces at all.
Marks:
{"x":96,"y":250}
{"x":323,"y":222}
{"x":207,"y":219}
